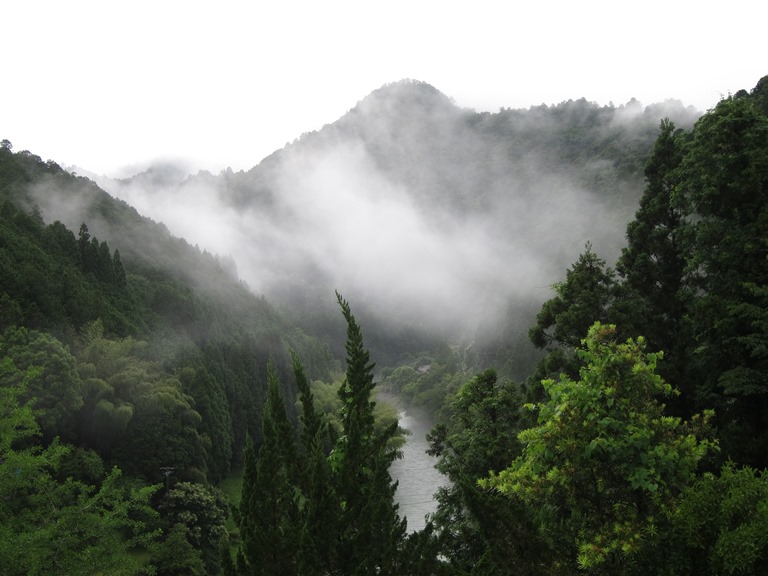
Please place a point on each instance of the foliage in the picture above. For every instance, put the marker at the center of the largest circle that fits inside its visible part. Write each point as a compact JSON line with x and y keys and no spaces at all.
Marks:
{"x":201,"y":511}
{"x":269,"y":513}
{"x":478,"y":531}
{"x":371,"y":529}
{"x":725,"y":193}
{"x":65,"y":526}
{"x":588,"y":294}
{"x":175,"y":555}
{"x":55,"y":384}
{"x":306,"y":511}
{"x":428,"y":380}
{"x":656,"y":290}
{"x":604,"y":463}
{"x":721,"y":524}
{"x":133,"y":353}
{"x":585,"y":296}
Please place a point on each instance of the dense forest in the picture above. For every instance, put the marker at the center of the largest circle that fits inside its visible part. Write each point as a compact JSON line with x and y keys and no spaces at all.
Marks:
{"x":156,"y":417}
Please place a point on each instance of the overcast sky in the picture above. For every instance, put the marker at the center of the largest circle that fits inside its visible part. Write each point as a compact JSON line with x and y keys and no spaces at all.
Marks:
{"x":109,"y":84}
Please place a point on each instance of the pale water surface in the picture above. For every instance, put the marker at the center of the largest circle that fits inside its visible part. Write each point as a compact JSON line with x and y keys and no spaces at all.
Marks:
{"x":415,"y":471}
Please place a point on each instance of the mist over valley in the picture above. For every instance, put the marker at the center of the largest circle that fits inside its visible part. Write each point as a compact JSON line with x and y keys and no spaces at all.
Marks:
{"x":428,"y":216}
{"x":565,"y":305}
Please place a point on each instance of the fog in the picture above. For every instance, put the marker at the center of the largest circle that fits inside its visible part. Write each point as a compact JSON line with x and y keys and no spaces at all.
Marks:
{"x":339,"y":223}
{"x":406,"y":208}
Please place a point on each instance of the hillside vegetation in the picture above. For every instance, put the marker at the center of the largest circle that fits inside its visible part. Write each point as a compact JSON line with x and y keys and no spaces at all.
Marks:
{"x":612,"y":423}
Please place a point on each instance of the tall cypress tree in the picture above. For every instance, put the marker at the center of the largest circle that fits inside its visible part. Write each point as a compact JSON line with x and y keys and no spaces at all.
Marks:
{"x":725,"y":187}
{"x":246,"y":517}
{"x":319,"y":512}
{"x":371,"y":530}
{"x":269,"y":517}
{"x":303,"y":512}
{"x":656,"y":294}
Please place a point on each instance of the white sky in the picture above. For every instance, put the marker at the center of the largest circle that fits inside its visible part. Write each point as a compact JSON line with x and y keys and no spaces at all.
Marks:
{"x":105,"y":84}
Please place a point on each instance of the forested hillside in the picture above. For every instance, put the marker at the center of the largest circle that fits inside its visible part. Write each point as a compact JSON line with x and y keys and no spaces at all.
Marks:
{"x":638,"y":445}
{"x":135,"y":352}
{"x":409,"y":199}
{"x":628,"y":436}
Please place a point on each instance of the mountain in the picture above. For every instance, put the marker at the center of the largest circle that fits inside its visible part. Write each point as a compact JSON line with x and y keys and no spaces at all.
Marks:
{"x":125,"y":348}
{"x":86,"y":267}
{"x":438,"y":221}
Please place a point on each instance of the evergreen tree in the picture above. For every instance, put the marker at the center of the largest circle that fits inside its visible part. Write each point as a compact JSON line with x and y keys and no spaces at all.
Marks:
{"x":269,"y":517}
{"x":84,"y":248}
{"x":653,"y":264}
{"x":587,"y":294}
{"x":317,"y":545}
{"x":246,"y":516}
{"x":480,"y":531}
{"x":725,"y":192}
{"x":211,"y":403}
{"x":119,"y":270}
{"x":371,"y":530}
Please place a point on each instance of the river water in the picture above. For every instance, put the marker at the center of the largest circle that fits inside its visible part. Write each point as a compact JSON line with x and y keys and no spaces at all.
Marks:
{"x":415,"y":471}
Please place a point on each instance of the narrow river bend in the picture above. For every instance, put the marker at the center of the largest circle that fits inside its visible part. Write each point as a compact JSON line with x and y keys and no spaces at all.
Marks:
{"x":415,"y":471}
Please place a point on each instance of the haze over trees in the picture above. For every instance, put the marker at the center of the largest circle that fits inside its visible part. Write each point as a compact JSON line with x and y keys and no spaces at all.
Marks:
{"x":606,"y":416}
{"x":408,"y":198}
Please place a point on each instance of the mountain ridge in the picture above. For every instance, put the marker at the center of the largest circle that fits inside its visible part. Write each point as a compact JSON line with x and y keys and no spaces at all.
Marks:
{"x":408,"y":198}
{"x":467,"y":211}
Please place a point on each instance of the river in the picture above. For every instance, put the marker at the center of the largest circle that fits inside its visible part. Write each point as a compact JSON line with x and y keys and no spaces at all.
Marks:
{"x":415,"y":471}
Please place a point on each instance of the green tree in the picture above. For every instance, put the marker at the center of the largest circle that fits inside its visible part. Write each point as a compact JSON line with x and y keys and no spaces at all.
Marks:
{"x":720,"y":525}
{"x":269,"y":510}
{"x":317,"y":544}
{"x":653,"y":264}
{"x":136,"y":412}
{"x":583,"y":298}
{"x":119,"y":270}
{"x":587,"y":295}
{"x":370,"y":528}
{"x":725,"y":194}
{"x":176,"y":556}
{"x":53,"y":526}
{"x":604,"y":465}
{"x":216,"y":426}
{"x":481,"y":531}
{"x":202,"y":512}
{"x":163,"y":432}
{"x":55,"y":385}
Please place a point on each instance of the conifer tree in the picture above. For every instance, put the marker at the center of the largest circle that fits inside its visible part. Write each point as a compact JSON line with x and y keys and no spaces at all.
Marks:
{"x":317,"y":544}
{"x":119,"y":270}
{"x":725,"y":190}
{"x":655,"y":294}
{"x":246,"y":517}
{"x":370,"y":527}
{"x":587,"y":294}
{"x":269,"y":517}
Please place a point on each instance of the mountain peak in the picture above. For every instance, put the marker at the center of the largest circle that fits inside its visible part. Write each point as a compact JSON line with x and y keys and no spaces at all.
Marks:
{"x":402,"y":99}
{"x":409,"y":87}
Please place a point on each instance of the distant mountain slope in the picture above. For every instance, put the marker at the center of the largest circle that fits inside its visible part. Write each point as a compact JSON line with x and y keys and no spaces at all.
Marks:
{"x":428,"y":215}
{"x":146,"y":350}
{"x":222,"y":308}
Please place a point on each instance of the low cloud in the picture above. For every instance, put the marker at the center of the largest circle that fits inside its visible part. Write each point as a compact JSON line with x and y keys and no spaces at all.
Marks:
{"x":417,"y":216}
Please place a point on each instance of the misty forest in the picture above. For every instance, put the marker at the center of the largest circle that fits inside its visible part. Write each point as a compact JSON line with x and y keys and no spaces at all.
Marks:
{"x":206,"y":374}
